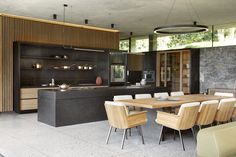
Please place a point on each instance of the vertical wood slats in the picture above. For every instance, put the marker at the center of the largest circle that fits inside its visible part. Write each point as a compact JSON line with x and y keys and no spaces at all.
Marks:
{"x":16,"y":29}
{"x":1,"y":65}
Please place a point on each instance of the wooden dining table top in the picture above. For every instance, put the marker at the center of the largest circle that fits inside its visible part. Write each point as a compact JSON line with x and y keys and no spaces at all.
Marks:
{"x":173,"y":101}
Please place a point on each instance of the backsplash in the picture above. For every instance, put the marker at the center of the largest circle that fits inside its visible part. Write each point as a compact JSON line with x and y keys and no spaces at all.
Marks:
{"x":218,"y":68}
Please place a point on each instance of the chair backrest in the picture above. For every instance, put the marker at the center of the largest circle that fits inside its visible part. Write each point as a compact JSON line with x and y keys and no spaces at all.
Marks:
{"x":225,"y":109}
{"x":122,"y":97}
{"x":116,"y":114}
{"x":161,"y":95}
{"x":143,"y":96}
{"x":188,"y":114}
{"x":207,"y":112}
{"x":224,"y":94}
{"x":179,"y":93}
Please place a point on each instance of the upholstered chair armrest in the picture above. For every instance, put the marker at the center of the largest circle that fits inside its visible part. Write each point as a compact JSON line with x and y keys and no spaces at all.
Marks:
{"x":168,"y":120}
{"x":137,"y":118}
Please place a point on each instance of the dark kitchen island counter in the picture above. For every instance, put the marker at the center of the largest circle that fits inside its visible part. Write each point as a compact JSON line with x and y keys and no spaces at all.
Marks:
{"x":81,"y":105}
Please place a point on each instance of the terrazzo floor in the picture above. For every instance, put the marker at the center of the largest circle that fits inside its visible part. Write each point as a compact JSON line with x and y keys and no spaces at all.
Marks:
{"x":21,"y":135}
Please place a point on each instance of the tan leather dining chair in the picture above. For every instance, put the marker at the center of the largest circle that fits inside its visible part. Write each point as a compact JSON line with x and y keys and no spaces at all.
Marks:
{"x":225,"y":110}
{"x":179,"y":93}
{"x":128,"y":109}
{"x":123,"y":97}
{"x":143,"y":96}
{"x":119,"y":118}
{"x":224,"y":94}
{"x":234,"y":113}
{"x":161,"y":95}
{"x":185,"y":119}
{"x":207,"y":113}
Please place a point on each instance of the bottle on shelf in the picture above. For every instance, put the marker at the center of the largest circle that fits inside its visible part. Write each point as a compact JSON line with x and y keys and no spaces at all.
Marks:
{"x":52,"y":83}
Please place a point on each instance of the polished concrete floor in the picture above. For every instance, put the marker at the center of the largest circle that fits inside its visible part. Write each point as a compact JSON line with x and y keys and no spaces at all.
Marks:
{"x":21,"y":135}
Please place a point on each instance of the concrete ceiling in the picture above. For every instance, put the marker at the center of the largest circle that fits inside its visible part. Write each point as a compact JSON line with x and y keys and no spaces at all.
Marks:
{"x":137,"y":16}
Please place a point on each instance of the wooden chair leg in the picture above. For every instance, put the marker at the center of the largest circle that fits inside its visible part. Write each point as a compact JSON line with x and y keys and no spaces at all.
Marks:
{"x":123,"y":139}
{"x":181,"y":140}
{"x":161,"y":134}
{"x":109,"y":133}
{"x":130,"y":132}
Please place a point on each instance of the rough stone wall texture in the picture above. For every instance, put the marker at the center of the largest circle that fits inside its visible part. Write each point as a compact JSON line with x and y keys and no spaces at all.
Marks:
{"x":218,"y":68}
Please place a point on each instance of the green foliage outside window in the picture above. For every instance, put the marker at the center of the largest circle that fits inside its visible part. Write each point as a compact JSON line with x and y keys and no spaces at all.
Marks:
{"x":183,"y":39}
{"x":124,"y":45}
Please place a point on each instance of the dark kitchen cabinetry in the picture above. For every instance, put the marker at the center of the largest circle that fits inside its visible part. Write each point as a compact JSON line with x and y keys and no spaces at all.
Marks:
{"x":36,"y":65}
{"x":135,"y":62}
{"x":149,"y":61}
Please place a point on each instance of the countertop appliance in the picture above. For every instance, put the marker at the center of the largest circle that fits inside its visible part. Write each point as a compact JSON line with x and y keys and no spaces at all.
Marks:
{"x":118,"y":73}
{"x":149,"y":76}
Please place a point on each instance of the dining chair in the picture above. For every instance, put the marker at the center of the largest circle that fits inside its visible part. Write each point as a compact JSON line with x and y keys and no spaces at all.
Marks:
{"x":224,"y":94}
{"x":165,"y":95}
{"x":118,"y":118}
{"x":207,"y":113}
{"x":225,"y":110}
{"x":128,"y":109}
{"x":234,"y":113}
{"x":185,"y":120}
{"x":179,"y":93}
{"x":143,"y":96}
{"x":161,"y":95}
{"x":124,"y":97}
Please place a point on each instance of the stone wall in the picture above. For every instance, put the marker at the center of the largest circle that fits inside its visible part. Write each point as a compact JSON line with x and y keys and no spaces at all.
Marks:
{"x":218,"y":68}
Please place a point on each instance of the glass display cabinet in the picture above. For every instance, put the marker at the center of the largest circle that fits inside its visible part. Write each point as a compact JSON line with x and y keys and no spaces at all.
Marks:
{"x":179,"y":70}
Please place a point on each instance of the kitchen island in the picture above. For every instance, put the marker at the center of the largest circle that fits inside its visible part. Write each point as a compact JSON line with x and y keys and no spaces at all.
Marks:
{"x":81,"y":105}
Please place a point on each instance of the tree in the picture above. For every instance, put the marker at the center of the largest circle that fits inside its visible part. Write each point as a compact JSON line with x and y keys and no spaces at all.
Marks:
{"x":183,"y":39}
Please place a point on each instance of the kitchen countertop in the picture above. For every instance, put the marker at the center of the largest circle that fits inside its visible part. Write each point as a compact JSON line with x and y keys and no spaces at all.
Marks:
{"x":74,"y":88}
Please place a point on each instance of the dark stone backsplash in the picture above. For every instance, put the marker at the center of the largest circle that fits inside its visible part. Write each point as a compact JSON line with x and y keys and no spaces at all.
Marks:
{"x":218,"y":68}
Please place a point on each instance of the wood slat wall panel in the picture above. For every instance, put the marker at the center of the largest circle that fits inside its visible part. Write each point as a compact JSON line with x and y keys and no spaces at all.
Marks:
{"x":8,"y":38}
{"x":17,"y":29}
{"x":1,"y":67}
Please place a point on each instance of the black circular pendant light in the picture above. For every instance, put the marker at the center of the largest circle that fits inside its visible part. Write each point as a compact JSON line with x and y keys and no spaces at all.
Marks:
{"x":181,"y":28}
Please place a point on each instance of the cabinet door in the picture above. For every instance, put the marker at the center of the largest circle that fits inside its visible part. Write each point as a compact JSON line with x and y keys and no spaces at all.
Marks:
{"x":163,"y":70}
{"x":118,"y":58}
{"x":135,"y":62}
{"x":173,"y":71}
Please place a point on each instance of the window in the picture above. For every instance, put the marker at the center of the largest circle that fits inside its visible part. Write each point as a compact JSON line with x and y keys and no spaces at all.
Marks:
{"x":124,"y":45}
{"x":225,"y":36}
{"x":193,"y":40}
{"x":139,"y":44}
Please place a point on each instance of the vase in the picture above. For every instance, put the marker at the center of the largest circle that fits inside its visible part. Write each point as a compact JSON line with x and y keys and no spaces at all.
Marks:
{"x":98,"y":81}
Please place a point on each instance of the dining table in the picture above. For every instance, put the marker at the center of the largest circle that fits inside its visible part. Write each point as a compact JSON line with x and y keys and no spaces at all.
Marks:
{"x":153,"y":105}
{"x":171,"y":101}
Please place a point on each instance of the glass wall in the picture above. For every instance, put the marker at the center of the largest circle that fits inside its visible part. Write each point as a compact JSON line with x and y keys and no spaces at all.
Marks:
{"x":193,"y":40}
{"x":124,"y":45}
{"x":222,"y":36}
{"x":225,"y":37}
{"x":139,"y":44}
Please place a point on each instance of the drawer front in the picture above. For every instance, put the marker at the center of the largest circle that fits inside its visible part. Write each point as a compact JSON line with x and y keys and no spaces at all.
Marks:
{"x":29,"y":104}
{"x":29,"y":93}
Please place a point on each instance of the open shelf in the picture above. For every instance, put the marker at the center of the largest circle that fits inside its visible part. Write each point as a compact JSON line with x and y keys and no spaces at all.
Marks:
{"x":40,"y":69}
